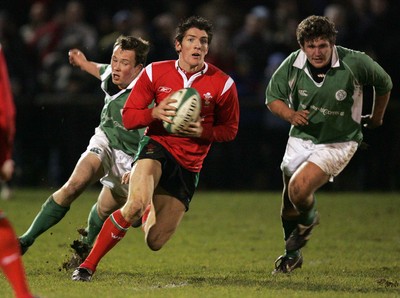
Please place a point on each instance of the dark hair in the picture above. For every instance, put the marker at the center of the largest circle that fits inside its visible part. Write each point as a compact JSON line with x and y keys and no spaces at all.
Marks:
{"x":194,"y":22}
{"x":314,"y":27}
{"x":137,"y":44}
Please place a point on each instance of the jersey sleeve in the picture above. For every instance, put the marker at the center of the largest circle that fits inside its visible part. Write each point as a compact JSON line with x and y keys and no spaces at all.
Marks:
{"x":136,"y":113}
{"x":226,"y":114}
{"x":374,"y":75}
{"x":278,"y":86}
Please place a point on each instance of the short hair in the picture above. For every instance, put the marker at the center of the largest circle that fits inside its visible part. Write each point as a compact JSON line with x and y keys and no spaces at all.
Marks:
{"x":137,"y":44}
{"x":314,"y":27}
{"x":194,"y":22}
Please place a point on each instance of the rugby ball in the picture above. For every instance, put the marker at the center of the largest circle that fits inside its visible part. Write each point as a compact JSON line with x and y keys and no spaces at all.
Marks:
{"x":188,"y":106}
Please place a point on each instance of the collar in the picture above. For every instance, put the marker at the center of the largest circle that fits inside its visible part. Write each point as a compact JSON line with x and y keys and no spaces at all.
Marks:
{"x":301,"y":59}
{"x":203,"y":71}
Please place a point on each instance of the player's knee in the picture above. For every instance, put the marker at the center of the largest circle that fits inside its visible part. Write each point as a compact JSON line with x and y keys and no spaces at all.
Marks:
{"x":298,"y":193}
{"x":103,"y":213}
{"x":133,"y":210}
{"x":155,"y":243}
{"x":72,"y":189}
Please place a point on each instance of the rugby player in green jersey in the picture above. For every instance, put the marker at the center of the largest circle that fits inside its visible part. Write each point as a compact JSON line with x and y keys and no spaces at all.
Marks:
{"x":318,"y":89}
{"x":110,"y":151}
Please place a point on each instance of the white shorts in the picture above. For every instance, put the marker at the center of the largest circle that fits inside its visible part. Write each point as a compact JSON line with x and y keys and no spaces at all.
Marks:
{"x":115,"y":162}
{"x":331,"y":158}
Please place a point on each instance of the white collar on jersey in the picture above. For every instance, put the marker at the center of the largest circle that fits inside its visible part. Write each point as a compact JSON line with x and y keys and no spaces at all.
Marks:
{"x":203,"y":71}
{"x":301,"y":59}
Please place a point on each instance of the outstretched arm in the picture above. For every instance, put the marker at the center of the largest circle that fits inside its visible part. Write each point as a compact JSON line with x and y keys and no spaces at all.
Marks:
{"x":78,"y":59}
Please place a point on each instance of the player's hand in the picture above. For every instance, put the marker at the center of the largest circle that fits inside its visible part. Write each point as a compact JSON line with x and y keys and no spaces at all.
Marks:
{"x":163,"y":110}
{"x":76,"y":57}
{"x":368,"y":121}
{"x":125,"y":178}
{"x":194,"y":130}
{"x":7,"y":170}
{"x":299,"y":118}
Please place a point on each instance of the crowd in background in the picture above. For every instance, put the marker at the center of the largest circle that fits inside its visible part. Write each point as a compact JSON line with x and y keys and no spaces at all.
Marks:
{"x":58,"y":106}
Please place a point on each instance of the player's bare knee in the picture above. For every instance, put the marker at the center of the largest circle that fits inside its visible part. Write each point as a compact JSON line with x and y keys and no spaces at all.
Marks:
{"x":72,"y":189}
{"x":133,"y":210}
{"x":154,"y":242}
{"x":298,"y":193}
{"x":103,"y":214}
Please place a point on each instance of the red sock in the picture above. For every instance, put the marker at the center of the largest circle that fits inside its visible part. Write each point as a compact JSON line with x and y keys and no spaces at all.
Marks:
{"x":113,"y":230}
{"x":10,"y":260}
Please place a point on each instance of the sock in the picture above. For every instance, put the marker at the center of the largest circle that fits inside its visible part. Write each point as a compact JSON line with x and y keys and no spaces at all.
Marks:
{"x":306,"y":217}
{"x":10,"y":260}
{"x":113,"y":230}
{"x":94,"y":226}
{"x":288,"y":227}
{"x":50,"y":214}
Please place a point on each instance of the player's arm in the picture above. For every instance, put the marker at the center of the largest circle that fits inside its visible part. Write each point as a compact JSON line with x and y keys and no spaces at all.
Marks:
{"x":378,"y":111}
{"x":226,"y":119}
{"x":78,"y":59}
{"x":138,"y":111}
{"x":282,"y":110}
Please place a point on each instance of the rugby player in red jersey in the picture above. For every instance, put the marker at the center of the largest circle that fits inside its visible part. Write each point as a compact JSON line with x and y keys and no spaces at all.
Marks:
{"x":10,"y":254}
{"x":167,"y":167}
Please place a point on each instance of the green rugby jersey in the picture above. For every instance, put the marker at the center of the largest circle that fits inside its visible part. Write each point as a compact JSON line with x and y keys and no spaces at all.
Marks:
{"x":335,"y":104}
{"x":111,"y":116}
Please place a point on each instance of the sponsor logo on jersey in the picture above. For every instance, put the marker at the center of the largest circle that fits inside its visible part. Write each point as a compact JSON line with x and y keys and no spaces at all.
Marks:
{"x":303,"y":92}
{"x":164,"y":89}
{"x":340,"y":95}
{"x":96,"y":150}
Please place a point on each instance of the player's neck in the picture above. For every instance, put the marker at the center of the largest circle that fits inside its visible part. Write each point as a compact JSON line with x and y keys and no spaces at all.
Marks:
{"x":191,"y":70}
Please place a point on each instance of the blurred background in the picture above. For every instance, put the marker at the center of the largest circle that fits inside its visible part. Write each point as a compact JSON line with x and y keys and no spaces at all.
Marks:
{"x":58,"y":106}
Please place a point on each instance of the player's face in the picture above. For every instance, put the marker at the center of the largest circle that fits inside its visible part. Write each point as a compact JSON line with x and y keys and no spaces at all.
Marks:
{"x":193,"y":49}
{"x":318,"y":52}
{"x":123,"y":67}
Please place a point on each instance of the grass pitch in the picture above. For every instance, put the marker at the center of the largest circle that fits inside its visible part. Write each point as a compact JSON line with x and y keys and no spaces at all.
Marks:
{"x":225,"y":247}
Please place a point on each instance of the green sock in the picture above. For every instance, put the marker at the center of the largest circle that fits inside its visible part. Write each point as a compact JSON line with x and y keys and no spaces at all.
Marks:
{"x":307,"y":216}
{"x":50,"y":214}
{"x":94,"y":226}
{"x":292,"y":253}
{"x":288,"y":227}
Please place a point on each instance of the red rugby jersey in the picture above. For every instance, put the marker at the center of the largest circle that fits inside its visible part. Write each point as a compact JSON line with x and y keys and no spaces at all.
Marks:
{"x":220,"y":109}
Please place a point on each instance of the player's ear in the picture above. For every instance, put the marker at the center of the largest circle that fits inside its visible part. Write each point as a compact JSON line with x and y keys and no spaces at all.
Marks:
{"x":178,"y":46}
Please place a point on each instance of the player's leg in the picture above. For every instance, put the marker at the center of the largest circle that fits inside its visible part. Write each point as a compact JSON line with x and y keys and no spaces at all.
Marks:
{"x":289,"y":213}
{"x":10,"y":259}
{"x":87,"y":170}
{"x":141,"y":188}
{"x":296,"y":155}
{"x":112,"y":197}
{"x":290,"y":260}
{"x":165,"y":215}
{"x":307,"y":179}
{"x":325,"y":162}
{"x":303,"y":184}
{"x":106,"y":204}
